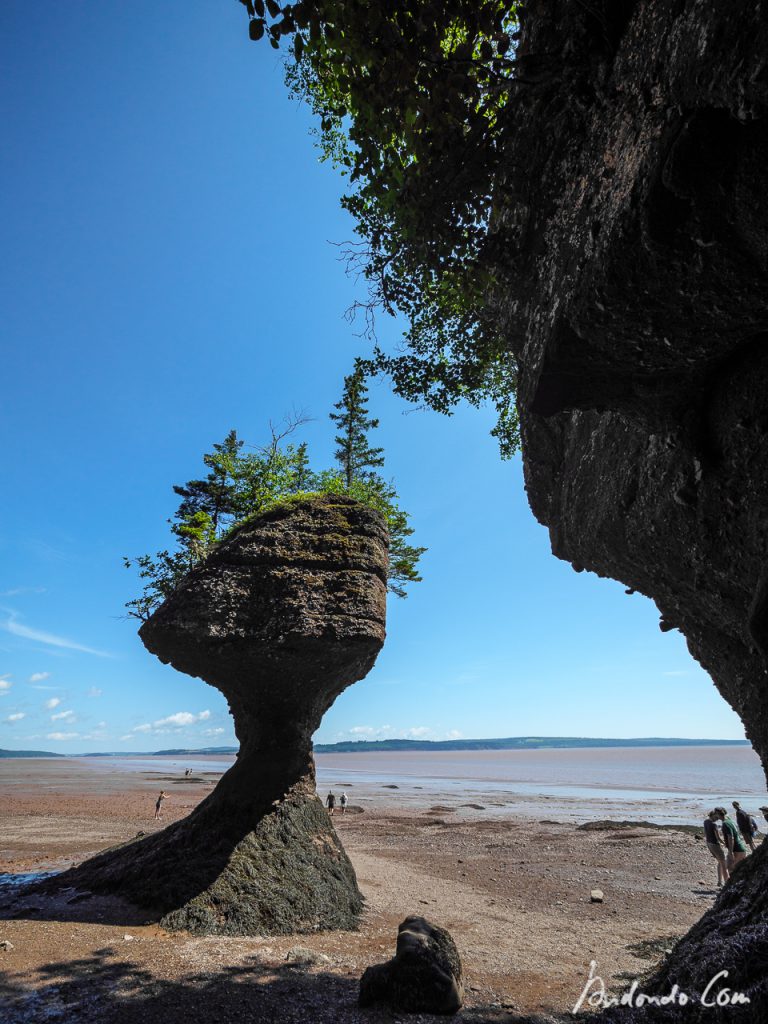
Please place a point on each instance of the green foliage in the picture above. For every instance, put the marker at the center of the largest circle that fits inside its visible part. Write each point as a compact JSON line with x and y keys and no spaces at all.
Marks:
{"x":355,"y":456}
{"x":163,"y":573}
{"x":412,"y":99}
{"x":358,"y":462}
{"x":214,"y":495}
{"x":241,"y":485}
{"x":382,"y":496}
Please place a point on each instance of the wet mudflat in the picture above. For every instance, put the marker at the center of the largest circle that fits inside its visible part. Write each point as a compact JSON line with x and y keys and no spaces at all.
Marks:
{"x":514,"y":893}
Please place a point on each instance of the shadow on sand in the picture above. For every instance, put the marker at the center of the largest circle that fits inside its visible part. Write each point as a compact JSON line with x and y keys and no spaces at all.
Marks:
{"x":107,"y":988}
{"x":20,"y":899}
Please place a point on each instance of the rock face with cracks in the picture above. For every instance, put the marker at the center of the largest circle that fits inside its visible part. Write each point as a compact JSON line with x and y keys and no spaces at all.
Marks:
{"x":285,"y":614}
{"x":636,"y":216}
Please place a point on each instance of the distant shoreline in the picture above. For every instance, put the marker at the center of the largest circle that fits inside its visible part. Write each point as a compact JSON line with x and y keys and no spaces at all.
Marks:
{"x":373,"y":746}
{"x":518,"y":743}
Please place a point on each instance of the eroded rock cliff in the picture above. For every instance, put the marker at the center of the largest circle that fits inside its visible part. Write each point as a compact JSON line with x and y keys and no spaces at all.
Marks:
{"x":285,"y":614}
{"x":637,"y":210}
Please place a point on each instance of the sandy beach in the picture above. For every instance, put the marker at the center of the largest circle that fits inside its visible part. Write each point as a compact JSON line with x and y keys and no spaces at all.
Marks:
{"x":513,"y":891}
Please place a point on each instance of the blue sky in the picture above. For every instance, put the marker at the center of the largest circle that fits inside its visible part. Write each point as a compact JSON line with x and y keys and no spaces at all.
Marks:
{"x":169,"y":274}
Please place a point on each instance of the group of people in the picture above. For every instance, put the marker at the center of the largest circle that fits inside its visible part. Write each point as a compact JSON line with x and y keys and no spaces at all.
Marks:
{"x":330,"y":802}
{"x":728,"y":844}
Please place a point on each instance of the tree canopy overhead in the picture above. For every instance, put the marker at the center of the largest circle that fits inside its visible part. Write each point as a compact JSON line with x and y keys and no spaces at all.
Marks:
{"x":411,"y":98}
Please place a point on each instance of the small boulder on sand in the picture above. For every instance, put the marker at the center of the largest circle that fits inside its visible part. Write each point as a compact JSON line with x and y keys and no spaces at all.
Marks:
{"x":423,"y":977}
{"x":596,"y":896}
{"x":301,"y":956}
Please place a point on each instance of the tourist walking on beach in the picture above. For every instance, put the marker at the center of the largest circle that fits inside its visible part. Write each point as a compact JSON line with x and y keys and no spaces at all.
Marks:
{"x":746,"y":825}
{"x":715,"y":847}
{"x":736,"y":849}
{"x":159,"y":804}
{"x":343,"y":801}
{"x":330,"y":802}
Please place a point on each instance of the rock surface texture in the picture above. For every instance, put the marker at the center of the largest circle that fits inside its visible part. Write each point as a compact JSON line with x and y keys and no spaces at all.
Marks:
{"x":424,"y":976}
{"x":636,"y":210}
{"x":285,"y":614}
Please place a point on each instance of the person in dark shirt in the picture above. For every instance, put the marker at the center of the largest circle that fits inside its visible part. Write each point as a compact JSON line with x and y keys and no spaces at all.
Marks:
{"x":744,"y":822}
{"x":330,"y":802}
{"x":159,"y":804}
{"x":715,"y":847}
{"x":737,"y":851}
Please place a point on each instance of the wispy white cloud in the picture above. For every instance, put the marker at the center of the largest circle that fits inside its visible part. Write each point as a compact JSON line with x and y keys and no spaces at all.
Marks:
{"x":454,"y":734}
{"x":53,"y":703}
{"x":677,"y":672}
{"x":17,"y":717}
{"x":22,"y":590}
{"x":94,"y":734}
{"x":16,"y":628}
{"x":38,"y":677}
{"x":5,"y":683}
{"x":173,"y":723}
{"x":418,"y":732}
{"x":213,"y":732}
{"x":63,"y":716}
{"x":62,"y":735}
{"x":94,"y":692}
{"x":48,"y":552}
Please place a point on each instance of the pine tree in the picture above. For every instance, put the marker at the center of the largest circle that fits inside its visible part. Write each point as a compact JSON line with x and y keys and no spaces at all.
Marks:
{"x":216,"y":494}
{"x":302,"y":477}
{"x":354,"y":454}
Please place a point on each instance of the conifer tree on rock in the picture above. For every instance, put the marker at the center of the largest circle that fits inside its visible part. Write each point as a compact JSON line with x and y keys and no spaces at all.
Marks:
{"x":354,"y":454}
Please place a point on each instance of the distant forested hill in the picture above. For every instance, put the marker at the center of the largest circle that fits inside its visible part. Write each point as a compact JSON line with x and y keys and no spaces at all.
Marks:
{"x":200,"y":750}
{"x":515,"y":743}
{"x":28,"y":753}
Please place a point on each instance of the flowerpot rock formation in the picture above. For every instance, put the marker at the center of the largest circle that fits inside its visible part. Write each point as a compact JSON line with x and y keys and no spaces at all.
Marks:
{"x":285,"y":613}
